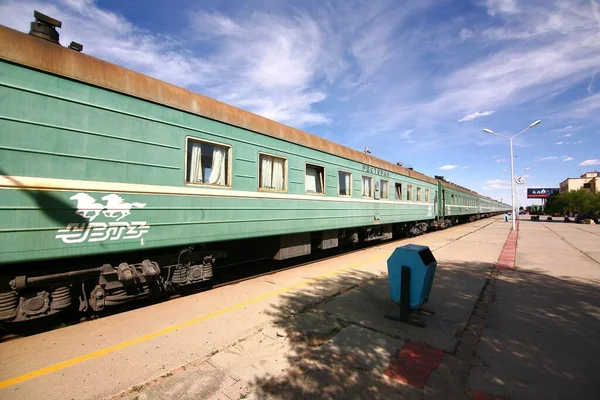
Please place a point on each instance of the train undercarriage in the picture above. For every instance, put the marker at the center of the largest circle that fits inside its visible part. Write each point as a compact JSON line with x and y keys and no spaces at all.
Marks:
{"x":39,"y":290}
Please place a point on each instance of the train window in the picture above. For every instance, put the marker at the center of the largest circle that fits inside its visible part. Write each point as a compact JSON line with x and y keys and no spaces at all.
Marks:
{"x":427,"y":199}
{"x":398,"y":191}
{"x":271,"y":172}
{"x":314,"y":179}
{"x":344,"y":183}
{"x":409,"y":192}
{"x":384,"y":189}
{"x":367,"y":186}
{"x":207,"y":163}
{"x":419,"y":194}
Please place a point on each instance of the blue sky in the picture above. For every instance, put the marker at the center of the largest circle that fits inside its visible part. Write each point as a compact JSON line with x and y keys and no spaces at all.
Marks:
{"x":415,"y":81}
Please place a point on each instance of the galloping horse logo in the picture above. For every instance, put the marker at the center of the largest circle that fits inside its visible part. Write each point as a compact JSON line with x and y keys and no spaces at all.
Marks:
{"x":115,"y":207}
{"x":87,"y":206}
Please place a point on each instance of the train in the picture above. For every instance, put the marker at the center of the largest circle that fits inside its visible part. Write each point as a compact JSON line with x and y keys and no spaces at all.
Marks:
{"x":115,"y":186}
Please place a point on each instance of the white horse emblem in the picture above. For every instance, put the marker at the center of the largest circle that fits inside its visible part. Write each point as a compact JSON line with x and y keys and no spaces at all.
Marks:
{"x":116,"y":205}
{"x":87,"y":206}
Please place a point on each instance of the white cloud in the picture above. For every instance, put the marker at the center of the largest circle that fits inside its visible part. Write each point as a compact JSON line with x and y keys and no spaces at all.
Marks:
{"x":584,"y":107}
{"x":476,"y":114}
{"x":568,"y":135}
{"x":501,"y":6}
{"x":464,"y":167}
{"x":465,"y":34}
{"x":546,"y":158}
{"x":290,"y":63}
{"x":406,"y":134}
{"x":559,"y":143}
{"x":553,"y":47}
{"x":447,"y":167}
{"x":269,"y":64}
{"x":528,"y":60}
{"x":590,"y":162}
{"x":568,"y":158}
{"x":496,"y":184}
{"x":265,"y":63}
{"x":110,"y":36}
{"x":500,"y":160}
{"x":578,"y":142}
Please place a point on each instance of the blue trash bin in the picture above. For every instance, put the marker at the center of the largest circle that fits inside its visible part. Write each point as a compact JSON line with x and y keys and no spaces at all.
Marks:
{"x":419,"y":266}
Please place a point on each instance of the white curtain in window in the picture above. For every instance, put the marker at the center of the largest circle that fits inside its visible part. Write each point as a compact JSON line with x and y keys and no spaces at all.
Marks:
{"x":278,"y":178}
{"x":344,"y":181}
{"x":217,"y":174}
{"x":311,"y":179}
{"x":347,"y":184}
{"x":398,"y":192}
{"x":347,"y":181}
{"x":266,"y":169}
{"x":384,"y":190}
{"x":366,"y":189}
{"x":196,"y":163}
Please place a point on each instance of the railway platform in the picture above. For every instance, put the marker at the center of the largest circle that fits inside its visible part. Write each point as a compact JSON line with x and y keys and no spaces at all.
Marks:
{"x":515,"y":317}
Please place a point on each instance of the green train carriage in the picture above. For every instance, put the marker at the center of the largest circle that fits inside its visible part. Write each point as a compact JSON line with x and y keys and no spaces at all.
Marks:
{"x":459,"y":204}
{"x":108,"y":178}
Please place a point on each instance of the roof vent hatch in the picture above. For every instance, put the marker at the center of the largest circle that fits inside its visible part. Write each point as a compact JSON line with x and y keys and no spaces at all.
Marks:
{"x":44,"y":27}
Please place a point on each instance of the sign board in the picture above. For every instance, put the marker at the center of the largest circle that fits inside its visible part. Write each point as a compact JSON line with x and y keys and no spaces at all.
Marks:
{"x":519,"y":180}
{"x":541,"y":193}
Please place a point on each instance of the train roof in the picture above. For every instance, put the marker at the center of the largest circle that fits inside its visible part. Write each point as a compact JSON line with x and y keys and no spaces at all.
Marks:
{"x":33,"y":52}
{"x":455,"y":186}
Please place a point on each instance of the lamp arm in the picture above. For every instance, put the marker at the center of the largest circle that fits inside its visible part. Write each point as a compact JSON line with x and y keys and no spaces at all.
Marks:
{"x":520,"y":132}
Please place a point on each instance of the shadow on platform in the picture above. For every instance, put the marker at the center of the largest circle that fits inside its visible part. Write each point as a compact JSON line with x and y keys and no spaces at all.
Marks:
{"x":342,"y":345}
{"x":541,"y":338}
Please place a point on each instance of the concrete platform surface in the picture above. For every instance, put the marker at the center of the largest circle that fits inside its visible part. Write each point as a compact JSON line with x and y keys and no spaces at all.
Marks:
{"x":319,"y":331}
{"x":541,"y":336}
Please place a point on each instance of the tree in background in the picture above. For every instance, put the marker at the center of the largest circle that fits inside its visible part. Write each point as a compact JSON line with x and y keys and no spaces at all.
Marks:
{"x":578,"y":201}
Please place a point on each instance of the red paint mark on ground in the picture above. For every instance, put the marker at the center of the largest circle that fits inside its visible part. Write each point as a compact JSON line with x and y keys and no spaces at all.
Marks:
{"x":509,"y":251}
{"x":477,"y":395}
{"x":413,"y":364}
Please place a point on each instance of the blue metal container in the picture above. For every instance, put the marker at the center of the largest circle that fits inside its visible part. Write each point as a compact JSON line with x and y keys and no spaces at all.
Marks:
{"x":422,"y":266}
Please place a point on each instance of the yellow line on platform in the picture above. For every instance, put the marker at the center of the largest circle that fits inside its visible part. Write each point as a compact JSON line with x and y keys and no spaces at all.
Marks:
{"x":128,"y":343}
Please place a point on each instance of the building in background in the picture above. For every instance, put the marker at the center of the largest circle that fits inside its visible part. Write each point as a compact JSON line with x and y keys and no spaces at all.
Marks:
{"x":589,"y":181}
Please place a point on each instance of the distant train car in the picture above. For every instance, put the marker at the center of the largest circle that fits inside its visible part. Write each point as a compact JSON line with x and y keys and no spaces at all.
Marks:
{"x":115,"y":186}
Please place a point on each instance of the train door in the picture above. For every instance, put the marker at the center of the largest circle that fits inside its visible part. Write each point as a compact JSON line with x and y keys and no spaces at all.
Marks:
{"x":443,"y":204}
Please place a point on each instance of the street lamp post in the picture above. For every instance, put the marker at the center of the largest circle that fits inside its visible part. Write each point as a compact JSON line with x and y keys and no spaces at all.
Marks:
{"x":512,"y":167}
{"x":518,"y":202}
